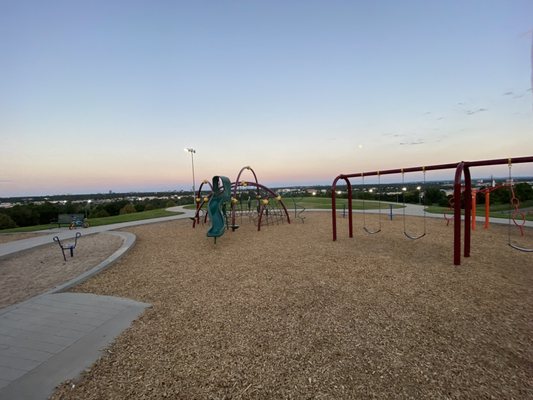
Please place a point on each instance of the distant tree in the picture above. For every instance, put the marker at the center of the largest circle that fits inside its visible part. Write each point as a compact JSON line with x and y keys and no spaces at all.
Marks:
{"x":523,"y":191}
{"x":6,"y":222}
{"x":170,"y":203}
{"x":99,"y":213}
{"x":127,"y":209}
{"x":434,"y":195}
{"x":47,"y":212}
{"x":501,"y":195}
{"x":149,"y":207}
{"x":115,"y":207}
{"x":24,"y":215}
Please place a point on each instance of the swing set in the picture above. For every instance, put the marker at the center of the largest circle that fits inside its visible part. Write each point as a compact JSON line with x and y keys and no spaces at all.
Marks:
{"x":462,"y":172}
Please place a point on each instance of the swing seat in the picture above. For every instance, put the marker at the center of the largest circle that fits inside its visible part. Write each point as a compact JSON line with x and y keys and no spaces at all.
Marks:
{"x":371,"y":232}
{"x":524,"y":249}
{"x":414,"y":237}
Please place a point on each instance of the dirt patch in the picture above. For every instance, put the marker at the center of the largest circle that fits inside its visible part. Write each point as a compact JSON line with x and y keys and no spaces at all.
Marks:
{"x":31,"y":272}
{"x":288,"y":313}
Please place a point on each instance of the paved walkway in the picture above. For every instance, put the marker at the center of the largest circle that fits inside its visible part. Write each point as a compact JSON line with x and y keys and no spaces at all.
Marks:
{"x":54,"y":336}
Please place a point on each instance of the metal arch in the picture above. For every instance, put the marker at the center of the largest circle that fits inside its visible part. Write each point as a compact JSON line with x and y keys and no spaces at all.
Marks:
{"x":334,"y":209}
{"x":199,"y":204}
{"x":236,"y":184}
{"x":268,"y":190}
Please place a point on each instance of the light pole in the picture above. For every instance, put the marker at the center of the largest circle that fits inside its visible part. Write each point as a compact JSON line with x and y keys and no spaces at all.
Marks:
{"x":192,"y":151}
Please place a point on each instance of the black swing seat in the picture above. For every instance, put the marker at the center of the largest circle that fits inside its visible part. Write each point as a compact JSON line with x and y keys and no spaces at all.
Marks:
{"x":524,"y":249}
{"x":414,"y":237}
{"x":371,"y":232}
{"x":234,"y":227}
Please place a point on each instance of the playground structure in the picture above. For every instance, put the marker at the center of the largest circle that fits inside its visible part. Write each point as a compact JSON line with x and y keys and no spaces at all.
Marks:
{"x":462,"y":169}
{"x":230,"y":203}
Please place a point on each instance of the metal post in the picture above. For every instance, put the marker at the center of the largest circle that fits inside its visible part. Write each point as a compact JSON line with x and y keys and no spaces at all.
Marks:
{"x":192,"y":151}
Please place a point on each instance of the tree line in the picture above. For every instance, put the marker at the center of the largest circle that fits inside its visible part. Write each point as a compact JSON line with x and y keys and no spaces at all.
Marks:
{"x":31,"y":214}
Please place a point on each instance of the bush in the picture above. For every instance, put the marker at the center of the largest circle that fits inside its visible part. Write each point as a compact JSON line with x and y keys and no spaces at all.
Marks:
{"x":6,"y":222}
{"x":99,"y":214}
{"x":149,"y":207}
{"x":127,"y":209}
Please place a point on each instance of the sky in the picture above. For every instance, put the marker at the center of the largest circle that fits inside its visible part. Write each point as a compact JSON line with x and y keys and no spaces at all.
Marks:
{"x":105,"y":95}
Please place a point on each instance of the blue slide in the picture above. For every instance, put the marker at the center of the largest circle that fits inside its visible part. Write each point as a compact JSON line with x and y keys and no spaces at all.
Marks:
{"x":221,"y":195}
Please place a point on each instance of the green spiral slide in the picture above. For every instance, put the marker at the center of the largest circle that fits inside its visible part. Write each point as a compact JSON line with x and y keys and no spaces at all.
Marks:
{"x":221,"y":195}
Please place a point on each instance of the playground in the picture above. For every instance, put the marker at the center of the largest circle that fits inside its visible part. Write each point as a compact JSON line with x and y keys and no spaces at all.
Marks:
{"x":287,"y":313}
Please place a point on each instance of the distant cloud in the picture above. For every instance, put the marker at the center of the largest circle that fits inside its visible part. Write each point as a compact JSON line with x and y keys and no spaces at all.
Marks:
{"x":471,"y":112}
{"x":440,"y":118}
{"x":417,"y":142}
{"x":508,"y":94}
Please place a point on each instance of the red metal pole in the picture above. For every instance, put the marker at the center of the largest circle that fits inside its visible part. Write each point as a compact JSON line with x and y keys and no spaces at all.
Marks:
{"x":457,"y":215}
{"x":487,"y":210}
{"x":350,"y":217}
{"x":474,"y":205}
{"x":468,"y":209}
{"x":333,"y":207}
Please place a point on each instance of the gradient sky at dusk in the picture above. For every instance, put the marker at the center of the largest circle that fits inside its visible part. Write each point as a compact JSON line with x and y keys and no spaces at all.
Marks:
{"x":105,"y":95}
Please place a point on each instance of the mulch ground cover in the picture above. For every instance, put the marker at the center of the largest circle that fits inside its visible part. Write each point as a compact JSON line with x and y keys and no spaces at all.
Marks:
{"x":286,"y":313}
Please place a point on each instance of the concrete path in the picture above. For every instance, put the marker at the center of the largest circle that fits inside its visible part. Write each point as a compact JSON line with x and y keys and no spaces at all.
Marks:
{"x":54,"y":336}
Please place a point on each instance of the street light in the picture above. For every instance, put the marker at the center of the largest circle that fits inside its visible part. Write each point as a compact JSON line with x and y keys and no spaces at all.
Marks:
{"x":192,"y":151}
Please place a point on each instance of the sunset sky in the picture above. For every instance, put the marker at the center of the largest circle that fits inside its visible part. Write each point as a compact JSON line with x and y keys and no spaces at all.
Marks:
{"x":105,"y":95}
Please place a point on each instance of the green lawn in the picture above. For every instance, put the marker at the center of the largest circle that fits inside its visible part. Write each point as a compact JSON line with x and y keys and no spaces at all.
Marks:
{"x":102,"y":221}
{"x":496,"y":210}
{"x":325,"y":203}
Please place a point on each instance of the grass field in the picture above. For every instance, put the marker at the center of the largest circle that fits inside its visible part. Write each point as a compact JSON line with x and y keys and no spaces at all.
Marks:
{"x":496,"y":211}
{"x":101,"y":221}
{"x":325,"y":203}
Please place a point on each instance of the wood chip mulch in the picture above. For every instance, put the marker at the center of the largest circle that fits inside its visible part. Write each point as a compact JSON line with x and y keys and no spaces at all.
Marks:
{"x":286,"y":313}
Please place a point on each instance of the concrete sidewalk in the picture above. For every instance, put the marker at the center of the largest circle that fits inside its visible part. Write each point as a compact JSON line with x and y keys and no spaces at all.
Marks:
{"x":54,"y":337}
